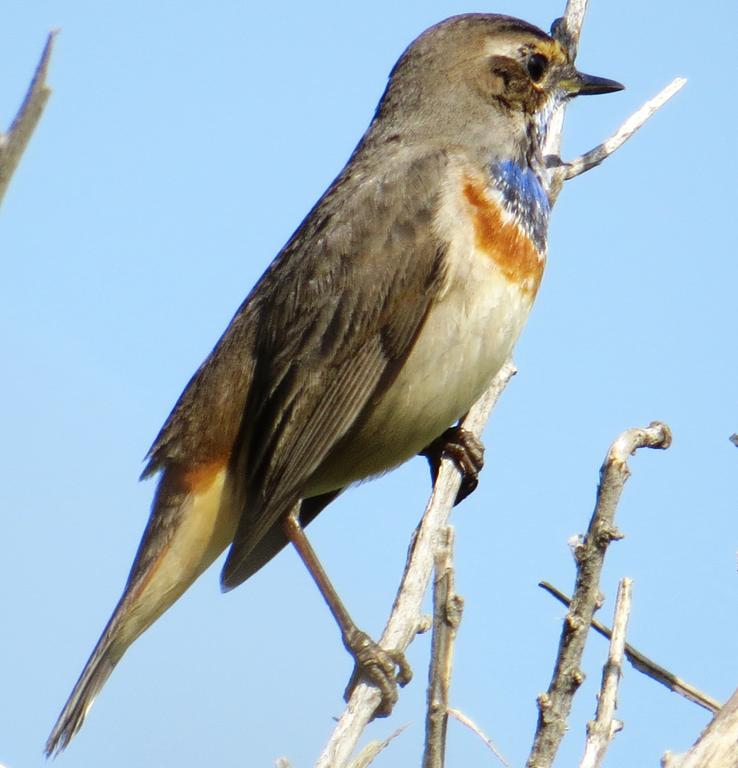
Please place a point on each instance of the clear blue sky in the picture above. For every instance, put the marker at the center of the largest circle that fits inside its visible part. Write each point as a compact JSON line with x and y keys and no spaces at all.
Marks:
{"x":182,"y":145}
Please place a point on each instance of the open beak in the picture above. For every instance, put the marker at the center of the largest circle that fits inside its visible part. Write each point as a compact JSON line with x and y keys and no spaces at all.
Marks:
{"x":589,"y":85}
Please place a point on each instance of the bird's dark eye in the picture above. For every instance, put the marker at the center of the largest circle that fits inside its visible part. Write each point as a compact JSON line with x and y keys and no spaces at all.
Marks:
{"x":537,"y":64}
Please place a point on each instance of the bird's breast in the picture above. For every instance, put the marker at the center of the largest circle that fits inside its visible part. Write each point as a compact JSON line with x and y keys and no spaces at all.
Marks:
{"x":493,"y":270}
{"x":519,"y":192}
{"x":508,"y":226}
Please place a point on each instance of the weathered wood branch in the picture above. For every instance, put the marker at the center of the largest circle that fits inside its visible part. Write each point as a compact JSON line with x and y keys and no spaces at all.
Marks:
{"x":447,"y":610}
{"x":555,"y":704}
{"x":602,"y":151}
{"x":717,"y":746}
{"x":602,"y":730}
{"x":13,"y":143}
{"x":477,"y":731}
{"x":647,"y":666}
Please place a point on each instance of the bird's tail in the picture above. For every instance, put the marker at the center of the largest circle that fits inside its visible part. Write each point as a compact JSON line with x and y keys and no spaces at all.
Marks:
{"x":97,"y":670}
{"x":191,"y":523}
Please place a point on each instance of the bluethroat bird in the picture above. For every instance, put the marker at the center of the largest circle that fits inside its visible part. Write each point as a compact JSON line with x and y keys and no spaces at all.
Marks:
{"x":376,"y":327}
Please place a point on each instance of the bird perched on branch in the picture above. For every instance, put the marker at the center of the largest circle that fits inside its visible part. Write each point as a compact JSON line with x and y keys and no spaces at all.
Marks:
{"x":381,"y":321}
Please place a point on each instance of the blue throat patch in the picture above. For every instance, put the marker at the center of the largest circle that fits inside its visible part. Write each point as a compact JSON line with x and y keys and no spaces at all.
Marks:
{"x":524,"y":198}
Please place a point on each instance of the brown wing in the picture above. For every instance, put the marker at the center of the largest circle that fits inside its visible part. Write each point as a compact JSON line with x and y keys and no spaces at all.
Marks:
{"x":339,"y":312}
{"x":204,"y":423}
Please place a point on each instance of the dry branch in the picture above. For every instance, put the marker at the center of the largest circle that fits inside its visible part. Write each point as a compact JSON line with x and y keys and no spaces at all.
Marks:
{"x":645,"y":665}
{"x":554,"y":706}
{"x":567,"y":31}
{"x":602,"y":730}
{"x":474,"y":728}
{"x":717,"y":746}
{"x":373,"y":748}
{"x":14,"y":142}
{"x":447,"y":610}
{"x":602,"y":151}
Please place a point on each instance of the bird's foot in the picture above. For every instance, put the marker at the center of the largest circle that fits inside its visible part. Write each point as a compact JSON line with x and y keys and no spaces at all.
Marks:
{"x":465,"y":450}
{"x":385,"y":669}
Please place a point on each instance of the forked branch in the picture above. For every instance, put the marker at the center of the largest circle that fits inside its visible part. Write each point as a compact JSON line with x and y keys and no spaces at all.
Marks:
{"x":555,"y":704}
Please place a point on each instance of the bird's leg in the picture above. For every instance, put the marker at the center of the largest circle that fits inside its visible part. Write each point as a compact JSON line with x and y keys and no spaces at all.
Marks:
{"x":465,"y":449}
{"x":375,"y":665}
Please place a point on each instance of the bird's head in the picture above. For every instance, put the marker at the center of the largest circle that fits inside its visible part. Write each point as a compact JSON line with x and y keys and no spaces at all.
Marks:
{"x":477,"y":75}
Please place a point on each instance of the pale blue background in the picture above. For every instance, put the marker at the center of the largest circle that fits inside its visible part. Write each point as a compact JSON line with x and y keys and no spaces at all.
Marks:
{"x":182,"y":145}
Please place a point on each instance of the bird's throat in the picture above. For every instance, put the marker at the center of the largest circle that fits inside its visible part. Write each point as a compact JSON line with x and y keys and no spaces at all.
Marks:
{"x":523,"y":198}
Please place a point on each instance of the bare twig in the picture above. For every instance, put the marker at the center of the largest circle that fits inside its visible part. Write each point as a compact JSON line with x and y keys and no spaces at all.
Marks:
{"x":595,"y":156}
{"x":447,"y":610}
{"x":406,"y":612}
{"x":645,"y":665}
{"x":554,"y":705}
{"x":567,"y":31}
{"x":373,"y":748}
{"x":602,"y":730}
{"x":14,"y":142}
{"x":717,"y":745}
{"x":472,"y":726}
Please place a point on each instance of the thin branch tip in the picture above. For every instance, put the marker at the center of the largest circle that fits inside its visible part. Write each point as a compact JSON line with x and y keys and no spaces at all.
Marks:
{"x":50,"y":41}
{"x":13,"y":143}
{"x":663,"y":431}
{"x":630,"y":126}
{"x":656,"y":435}
{"x":373,"y":748}
{"x":474,"y":728}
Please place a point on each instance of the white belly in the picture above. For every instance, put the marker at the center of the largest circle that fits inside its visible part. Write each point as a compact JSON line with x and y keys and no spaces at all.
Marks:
{"x":491,"y":280}
{"x":467,"y":337}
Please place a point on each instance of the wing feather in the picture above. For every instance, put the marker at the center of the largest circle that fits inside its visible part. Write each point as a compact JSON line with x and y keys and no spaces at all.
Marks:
{"x":345,"y":305}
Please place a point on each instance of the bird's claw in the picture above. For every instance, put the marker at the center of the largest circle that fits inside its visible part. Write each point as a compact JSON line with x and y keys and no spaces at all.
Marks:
{"x":381,"y":667}
{"x":465,"y":450}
